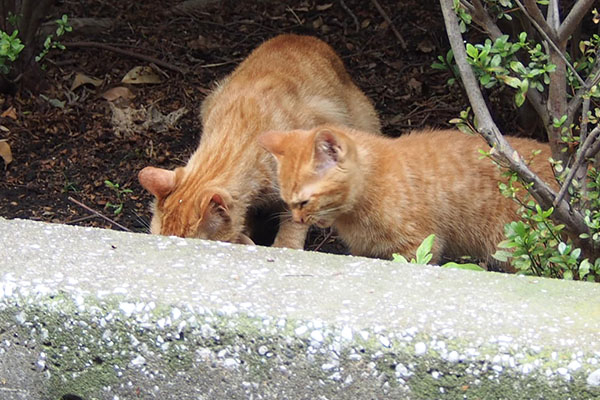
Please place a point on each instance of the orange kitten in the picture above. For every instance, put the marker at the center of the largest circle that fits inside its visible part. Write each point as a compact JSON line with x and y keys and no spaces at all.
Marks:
{"x":384,"y":195}
{"x":289,"y":82}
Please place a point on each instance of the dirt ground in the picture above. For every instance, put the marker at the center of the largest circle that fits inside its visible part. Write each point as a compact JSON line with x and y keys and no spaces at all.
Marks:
{"x":67,"y":142}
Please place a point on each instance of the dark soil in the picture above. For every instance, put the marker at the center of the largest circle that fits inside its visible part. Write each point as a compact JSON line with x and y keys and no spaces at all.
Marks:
{"x":65,"y":145}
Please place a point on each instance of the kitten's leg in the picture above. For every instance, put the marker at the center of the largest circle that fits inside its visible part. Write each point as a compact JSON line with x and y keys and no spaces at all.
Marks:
{"x":291,"y":235}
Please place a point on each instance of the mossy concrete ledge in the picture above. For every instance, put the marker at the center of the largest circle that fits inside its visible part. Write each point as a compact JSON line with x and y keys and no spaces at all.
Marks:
{"x":95,"y":314}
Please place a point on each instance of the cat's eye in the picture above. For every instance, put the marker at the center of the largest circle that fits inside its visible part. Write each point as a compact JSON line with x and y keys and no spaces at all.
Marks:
{"x":301,"y":204}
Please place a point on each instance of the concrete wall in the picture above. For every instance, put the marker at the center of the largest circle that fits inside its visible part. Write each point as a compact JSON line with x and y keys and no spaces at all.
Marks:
{"x":95,"y":314}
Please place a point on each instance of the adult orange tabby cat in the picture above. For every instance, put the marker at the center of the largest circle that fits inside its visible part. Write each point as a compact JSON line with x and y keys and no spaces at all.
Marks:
{"x":289,"y":82}
{"x":385,"y":196}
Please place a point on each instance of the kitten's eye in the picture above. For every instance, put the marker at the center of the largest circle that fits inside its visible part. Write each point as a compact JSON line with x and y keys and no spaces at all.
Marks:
{"x":301,"y":204}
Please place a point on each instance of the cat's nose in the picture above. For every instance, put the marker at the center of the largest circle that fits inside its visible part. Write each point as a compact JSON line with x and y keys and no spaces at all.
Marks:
{"x":297,"y":217}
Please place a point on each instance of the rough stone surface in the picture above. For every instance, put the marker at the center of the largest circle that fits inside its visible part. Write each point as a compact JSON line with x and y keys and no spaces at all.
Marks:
{"x":95,"y":314}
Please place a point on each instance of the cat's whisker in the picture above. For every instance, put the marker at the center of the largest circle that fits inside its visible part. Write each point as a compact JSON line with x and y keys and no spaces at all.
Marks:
{"x":142,"y":221}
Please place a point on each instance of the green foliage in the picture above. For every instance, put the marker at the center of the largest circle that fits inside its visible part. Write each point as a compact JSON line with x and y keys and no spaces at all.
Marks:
{"x":497,"y":62}
{"x":10,"y":48}
{"x":50,"y":42}
{"x":424,"y":255}
{"x":120,"y":194}
{"x":447,"y":63}
{"x":11,"y":45}
{"x":536,"y":245}
{"x":463,"y":122}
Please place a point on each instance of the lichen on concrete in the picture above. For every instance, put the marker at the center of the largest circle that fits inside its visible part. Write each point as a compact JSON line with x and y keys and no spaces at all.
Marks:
{"x":105,"y":315}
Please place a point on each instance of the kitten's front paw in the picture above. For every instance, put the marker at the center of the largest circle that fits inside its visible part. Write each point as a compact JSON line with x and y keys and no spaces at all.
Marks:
{"x":291,"y":235}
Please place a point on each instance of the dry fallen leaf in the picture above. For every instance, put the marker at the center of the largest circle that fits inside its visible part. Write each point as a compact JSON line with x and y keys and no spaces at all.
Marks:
{"x":5,"y":152}
{"x":426,"y":46}
{"x":140,"y":75}
{"x":118,"y":92}
{"x":415,"y":85}
{"x":324,"y":7}
{"x":82,"y":79}
{"x":127,"y":120}
{"x":9,"y":113}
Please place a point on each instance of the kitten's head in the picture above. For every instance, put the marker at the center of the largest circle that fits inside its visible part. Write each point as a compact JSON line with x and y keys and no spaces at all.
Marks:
{"x":182,"y":208}
{"x":317,"y":172}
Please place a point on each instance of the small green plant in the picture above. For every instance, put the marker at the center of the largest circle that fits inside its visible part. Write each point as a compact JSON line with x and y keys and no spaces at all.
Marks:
{"x":10,"y":48}
{"x":51,"y":42}
{"x":424,"y":255}
{"x":120,"y":193}
{"x":423,"y":252}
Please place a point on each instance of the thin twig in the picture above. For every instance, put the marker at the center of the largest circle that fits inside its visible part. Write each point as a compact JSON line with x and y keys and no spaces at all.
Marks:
{"x":536,"y":14}
{"x":324,"y":240}
{"x":573,"y":19}
{"x":80,"y":204}
{"x":128,"y":53}
{"x":482,"y":18}
{"x":84,"y":218}
{"x":582,"y":154}
{"x":391,"y":24}
{"x":592,"y":80}
{"x":487,"y":128}
{"x":550,"y":42}
{"x":349,"y":11}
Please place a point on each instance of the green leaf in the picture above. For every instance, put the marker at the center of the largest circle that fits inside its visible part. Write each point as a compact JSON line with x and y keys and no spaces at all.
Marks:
{"x":519,"y":99}
{"x":469,"y":266}
{"x":584,"y":268}
{"x":399,"y":258}
{"x":511,"y":81}
{"x":502,"y":255}
{"x":424,"y":250}
{"x":518,"y":67}
{"x":472,"y":51}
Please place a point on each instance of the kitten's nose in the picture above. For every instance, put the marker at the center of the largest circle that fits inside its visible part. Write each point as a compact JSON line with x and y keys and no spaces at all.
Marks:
{"x":297,"y":217}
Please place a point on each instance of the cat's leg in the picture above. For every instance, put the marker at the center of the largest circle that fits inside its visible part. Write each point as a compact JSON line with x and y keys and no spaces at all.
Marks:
{"x":291,"y":235}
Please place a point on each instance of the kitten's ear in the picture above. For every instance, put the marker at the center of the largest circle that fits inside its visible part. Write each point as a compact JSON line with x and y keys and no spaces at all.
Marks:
{"x":272,"y":141}
{"x":330,"y":148}
{"x":160,"y":182}
{"x":214,"y":208}
{"x":219,"y":201}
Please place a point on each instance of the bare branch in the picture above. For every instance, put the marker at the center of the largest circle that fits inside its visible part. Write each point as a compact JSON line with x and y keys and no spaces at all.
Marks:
{"x":533,"y":12}
{"x":549,"y":39}
{"x":582,"y":154}
{"x":349,"y":11}
{"x":574,"y":18}
{"x":132,"y":54}
{"x":391,"y":24}
{"x":487,"y":128}
{"x":468,"y":6}
{"x":483,"y":19}
{"x":592,"y":80}
{"x":99,"y":214}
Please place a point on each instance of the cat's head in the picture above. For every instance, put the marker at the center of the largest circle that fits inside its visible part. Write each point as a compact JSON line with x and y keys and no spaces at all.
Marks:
{"x":317,"y":172}
{"x":183,"y":208}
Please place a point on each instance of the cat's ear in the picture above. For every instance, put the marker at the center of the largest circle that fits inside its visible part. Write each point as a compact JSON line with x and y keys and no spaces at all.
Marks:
{"x":214,"y":208}
{"x":330,"y":149}
{"x":272,"y":141}
{"x":160,"y":182}
{"x":219,"y":200}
